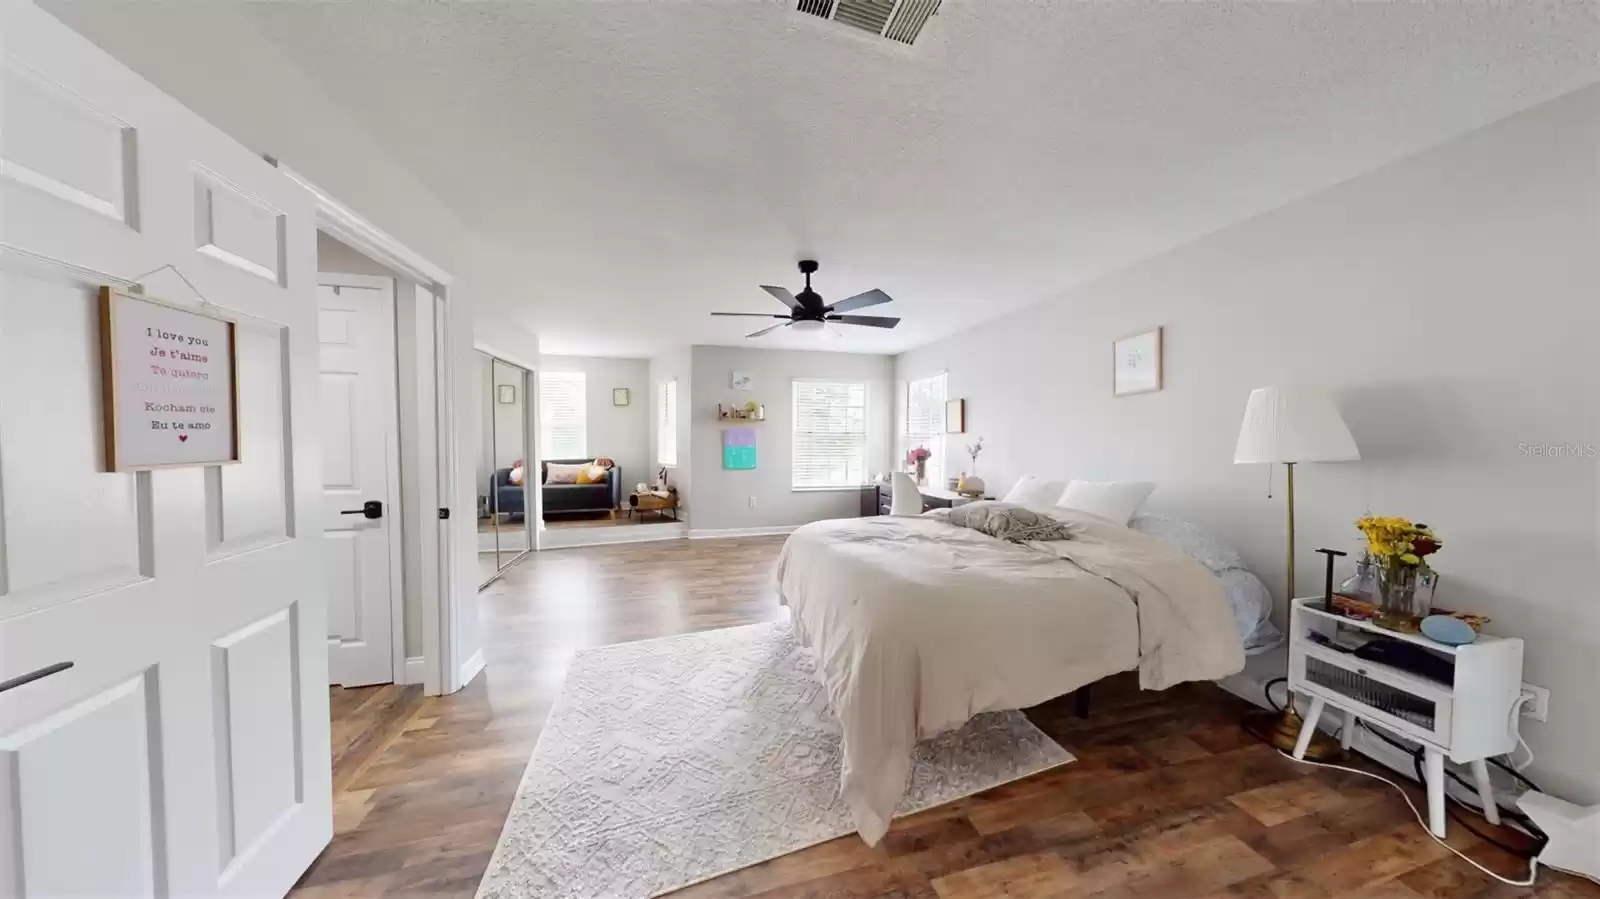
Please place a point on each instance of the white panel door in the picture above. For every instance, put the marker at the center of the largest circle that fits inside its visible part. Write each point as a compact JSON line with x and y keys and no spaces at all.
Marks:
{"x":185,"y":751}
{"x":360,"y":466}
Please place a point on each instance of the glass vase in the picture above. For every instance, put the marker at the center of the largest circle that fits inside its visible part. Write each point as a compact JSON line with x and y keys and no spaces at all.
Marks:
{"x":1405,"y":594}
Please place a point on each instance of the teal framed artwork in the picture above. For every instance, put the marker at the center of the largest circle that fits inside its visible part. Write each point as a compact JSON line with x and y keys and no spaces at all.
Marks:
{"x":739,"y":449}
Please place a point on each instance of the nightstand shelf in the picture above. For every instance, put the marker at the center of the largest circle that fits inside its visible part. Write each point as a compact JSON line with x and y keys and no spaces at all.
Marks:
{"x":1463,"y":713}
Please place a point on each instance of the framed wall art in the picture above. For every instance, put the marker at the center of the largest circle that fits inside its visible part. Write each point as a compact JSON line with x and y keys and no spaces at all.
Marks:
{"x":1136,"y":363}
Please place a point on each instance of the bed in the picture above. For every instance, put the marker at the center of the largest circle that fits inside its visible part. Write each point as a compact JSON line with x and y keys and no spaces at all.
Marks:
{"x":918,"y":625}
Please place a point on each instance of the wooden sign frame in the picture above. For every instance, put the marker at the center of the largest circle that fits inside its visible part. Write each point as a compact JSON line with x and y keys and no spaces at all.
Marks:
{"x":112,"y":424}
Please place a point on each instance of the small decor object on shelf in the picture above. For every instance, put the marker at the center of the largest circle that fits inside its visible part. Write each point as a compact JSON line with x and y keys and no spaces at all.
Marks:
{"x":750,"y":411}
{"x":917,"y":460}
{"x":1136,"y":363}
{"x":972,"y":485}
{"x":619,"y":396}
{"x":1406,"y":584}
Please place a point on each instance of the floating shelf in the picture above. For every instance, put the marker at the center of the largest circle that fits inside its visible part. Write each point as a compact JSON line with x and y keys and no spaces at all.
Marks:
{"x":740,"y":414}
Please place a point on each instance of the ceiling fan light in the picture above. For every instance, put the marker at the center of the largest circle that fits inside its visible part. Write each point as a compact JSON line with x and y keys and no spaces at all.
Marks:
{"x":808,"y":324}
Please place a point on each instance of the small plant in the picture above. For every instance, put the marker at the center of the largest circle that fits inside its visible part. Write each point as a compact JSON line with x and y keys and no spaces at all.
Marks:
{"x":973,"y":449}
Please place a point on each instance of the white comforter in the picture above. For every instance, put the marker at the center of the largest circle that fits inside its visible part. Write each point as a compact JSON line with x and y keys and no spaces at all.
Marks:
{"x":919,"y":625}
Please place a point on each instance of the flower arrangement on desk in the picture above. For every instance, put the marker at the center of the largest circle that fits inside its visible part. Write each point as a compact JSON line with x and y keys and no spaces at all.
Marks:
{"x":972,"y":485}
{"x":1399,"y":550}
{"x":917,"y":459}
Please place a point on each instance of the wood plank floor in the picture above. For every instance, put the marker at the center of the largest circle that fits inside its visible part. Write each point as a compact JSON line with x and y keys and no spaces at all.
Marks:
{"x":1168,"y":798}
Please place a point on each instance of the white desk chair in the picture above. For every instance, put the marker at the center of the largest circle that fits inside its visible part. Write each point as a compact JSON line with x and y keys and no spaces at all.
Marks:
{"x":906,"y":499}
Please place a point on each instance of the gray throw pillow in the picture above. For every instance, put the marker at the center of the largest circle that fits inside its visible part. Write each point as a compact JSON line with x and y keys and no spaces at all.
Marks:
{"x":1009,"y":521}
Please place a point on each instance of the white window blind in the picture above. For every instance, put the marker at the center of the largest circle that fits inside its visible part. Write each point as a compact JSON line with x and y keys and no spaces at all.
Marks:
{"x":563,"y":415}
{"x":667,"y":424}
{"x":830,"y":434}
{"x":923,"y":424}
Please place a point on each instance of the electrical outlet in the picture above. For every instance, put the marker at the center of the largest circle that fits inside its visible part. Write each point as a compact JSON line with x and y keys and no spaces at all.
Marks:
{"x":752,"y":502}
{"x":1537,"y":708}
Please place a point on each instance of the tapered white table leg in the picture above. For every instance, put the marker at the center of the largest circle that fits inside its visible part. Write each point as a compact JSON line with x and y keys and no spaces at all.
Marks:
{"x":1480,"y":773}
{"x":1347,"y":734}
{"x":1433,"y":766}
{"x":1313,"y":715}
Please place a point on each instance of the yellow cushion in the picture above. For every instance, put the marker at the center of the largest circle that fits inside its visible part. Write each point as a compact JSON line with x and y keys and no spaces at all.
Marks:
{"x":592,"y":474}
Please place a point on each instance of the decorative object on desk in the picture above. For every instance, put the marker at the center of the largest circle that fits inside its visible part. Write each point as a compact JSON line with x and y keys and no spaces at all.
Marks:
{"x":740,"y":381}
{"x":955,"y":416}
{"x":1136,"y":363}
{"x":1327,"y":589}
{"x":1448,"y":629}
{"x":1362,"y":585}
{"x":505,"y":394}
{"x":641,"y":487}
{"x":619,"y":396}
{"x":917,"y":459}
{"x":1399,"y":550}
{"x":971,"y":484}
{"x":953,"y":484}
{"x":1291,"y":426}
{"x":183,"y":358}
{"x":739,"y":449}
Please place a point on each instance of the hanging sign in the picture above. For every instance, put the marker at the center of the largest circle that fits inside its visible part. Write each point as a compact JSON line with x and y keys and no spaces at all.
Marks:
{"x":169,"y":381}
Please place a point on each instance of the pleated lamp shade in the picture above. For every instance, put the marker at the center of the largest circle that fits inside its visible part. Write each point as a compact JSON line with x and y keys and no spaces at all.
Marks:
{"x":1298,"y":424}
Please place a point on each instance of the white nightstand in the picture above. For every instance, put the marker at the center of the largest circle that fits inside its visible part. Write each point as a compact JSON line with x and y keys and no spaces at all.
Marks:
{"x":1467,"y":719}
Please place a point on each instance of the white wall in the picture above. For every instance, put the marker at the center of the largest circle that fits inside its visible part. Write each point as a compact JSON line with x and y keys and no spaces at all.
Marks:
{"x":246,"y":87}
{"x":1449,"y":300}
{"x":620,"y":432}
{"x":722,"y":497}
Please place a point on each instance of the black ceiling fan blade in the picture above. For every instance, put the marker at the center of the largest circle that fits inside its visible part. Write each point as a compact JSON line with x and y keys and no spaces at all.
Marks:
{"x":782,"y":295}
{"x":871,"y":321}
{"x":748,"y":315}
{"x":872,"y":297}
{"x":773,"y":328}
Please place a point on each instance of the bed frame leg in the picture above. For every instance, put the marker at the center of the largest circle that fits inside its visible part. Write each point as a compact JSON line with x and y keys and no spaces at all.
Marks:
{"x":1080,"y":701}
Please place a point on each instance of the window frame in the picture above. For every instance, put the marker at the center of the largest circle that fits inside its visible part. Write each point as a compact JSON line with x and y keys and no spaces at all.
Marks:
{"x":546,"y":421}
{"x":794,"y":434}
{"x":667,"y":425}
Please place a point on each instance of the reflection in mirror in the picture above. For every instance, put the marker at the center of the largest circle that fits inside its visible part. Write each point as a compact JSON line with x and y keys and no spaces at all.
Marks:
{"x":510,"y":460}
{"x":501,"y":460}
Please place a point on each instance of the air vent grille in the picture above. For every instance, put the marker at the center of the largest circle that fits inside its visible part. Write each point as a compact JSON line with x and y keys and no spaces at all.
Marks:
{"x":867,"y":15}
{"x":900,"y":21}
{"x":909,"y":19}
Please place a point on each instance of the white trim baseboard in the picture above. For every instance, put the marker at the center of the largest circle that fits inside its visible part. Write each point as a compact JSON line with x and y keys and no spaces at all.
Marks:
{"x":566,"y":538}
{"x":718,"y":533}
{"x":414,"y":670}
{"x":470,"y":669}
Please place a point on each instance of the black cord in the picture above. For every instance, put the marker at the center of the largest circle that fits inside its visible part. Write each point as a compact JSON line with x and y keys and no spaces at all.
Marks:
{"x":1268,"y":688}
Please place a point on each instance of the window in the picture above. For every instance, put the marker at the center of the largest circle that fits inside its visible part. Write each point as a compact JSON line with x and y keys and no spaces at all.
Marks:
{"x":667,"y":424}
{"x":563,"y":415}
{"x":923,"y":424}
{"x":830,"y":434}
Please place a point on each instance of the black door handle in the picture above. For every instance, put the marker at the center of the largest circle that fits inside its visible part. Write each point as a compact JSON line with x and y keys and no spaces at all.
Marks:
{"x":369,"y":509}
{"x":34,"y":675}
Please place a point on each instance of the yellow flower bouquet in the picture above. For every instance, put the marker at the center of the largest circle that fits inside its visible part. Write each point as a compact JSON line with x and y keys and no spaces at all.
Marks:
{"x":1399,"y":549}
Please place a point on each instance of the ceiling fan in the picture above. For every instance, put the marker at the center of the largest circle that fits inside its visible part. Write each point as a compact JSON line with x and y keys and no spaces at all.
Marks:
{"x":807,"y":312}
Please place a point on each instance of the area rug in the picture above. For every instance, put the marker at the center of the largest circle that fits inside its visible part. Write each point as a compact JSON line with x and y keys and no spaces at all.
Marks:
{"x":671,"y":761}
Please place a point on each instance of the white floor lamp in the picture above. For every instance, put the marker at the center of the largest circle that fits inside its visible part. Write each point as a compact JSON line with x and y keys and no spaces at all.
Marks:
{"x":1292,"y":426}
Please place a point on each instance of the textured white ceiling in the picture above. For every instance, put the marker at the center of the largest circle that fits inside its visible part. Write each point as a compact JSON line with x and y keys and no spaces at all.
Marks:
{"x":649,"y":162}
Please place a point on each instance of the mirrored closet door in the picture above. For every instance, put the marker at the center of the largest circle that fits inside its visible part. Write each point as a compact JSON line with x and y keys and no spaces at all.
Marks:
{"x":505,"y":502}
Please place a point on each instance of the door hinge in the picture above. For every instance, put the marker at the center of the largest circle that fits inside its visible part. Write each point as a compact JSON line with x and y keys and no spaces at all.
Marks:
{"x":444,"y":514}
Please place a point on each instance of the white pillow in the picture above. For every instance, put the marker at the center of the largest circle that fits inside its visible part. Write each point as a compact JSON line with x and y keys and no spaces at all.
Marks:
{"x":563,"y":473}
{"x":1029,"y":490}
{"x":1115,"y":501}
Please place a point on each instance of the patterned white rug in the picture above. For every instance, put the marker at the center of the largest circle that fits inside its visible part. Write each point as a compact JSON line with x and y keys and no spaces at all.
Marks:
{"x":671,"y":761}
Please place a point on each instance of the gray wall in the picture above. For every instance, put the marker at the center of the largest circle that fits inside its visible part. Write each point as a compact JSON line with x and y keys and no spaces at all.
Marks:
{"x":1449,"y":300}
{"x":620,"y":432}
{"x":721,"y":497}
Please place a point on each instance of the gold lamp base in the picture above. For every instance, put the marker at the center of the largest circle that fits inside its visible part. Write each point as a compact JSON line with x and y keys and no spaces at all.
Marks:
{"x":1281,"y":730}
